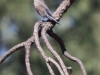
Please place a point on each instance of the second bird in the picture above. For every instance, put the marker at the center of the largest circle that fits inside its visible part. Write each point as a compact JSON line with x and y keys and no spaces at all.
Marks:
{"x":43,"y":10}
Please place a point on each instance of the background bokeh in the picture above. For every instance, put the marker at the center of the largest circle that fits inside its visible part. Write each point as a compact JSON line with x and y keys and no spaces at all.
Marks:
{"x":79,"y":28}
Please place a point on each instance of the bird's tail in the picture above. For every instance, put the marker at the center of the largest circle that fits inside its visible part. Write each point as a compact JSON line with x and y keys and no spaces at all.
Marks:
{"x":53,"y":19}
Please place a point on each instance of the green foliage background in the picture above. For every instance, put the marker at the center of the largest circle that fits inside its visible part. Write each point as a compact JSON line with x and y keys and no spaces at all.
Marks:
{"x":79,"y":28}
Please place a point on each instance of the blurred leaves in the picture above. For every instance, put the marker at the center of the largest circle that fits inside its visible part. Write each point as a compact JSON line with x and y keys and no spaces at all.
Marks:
{"x":80,"y":30}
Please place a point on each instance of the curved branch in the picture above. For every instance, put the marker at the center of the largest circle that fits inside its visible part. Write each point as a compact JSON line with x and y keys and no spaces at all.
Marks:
{"x":27,"y":56}
{"x":57,"y":65}
{"x":36,"y":27}
{"x":50,"y":69}
{"x":43,"y":34}
{"x":15,"y":48}
{"x":76,"y":60}
{"x":61,"y":43}
{"x":12,"y":50}
{"x":58,"y":14}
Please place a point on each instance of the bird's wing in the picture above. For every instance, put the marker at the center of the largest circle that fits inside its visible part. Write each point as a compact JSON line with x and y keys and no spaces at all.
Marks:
{"x":46,"y":8}
{"x":40,"y":9}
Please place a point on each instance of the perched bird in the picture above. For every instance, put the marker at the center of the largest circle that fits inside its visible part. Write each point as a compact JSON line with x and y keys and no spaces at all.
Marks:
{"x":43,"y":10}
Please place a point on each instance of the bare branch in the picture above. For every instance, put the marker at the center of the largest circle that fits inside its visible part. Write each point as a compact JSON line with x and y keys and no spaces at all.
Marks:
{"x":62,"y":8}
{"x":76,"y":60}
{"x":12,"y":50}
{"x":27,"y":57}
{"x":57,"y":65}
{"x":36,"y":27}
{"x":15,"y":48}
{"x":58,"y":14}
{"x":40,"y":29}
{"x":61,"y":43}
{"x":43,"y":33}
{"x":50,"y":69}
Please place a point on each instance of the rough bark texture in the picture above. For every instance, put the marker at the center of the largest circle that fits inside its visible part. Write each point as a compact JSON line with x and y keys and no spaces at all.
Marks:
{"x":41,"y":29}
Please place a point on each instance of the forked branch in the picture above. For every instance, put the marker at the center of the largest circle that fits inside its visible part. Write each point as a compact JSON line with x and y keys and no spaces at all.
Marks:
{"x":41,"y":29}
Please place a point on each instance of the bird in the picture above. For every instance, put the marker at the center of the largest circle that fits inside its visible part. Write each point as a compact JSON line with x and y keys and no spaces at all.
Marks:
{"x":43,"y":10}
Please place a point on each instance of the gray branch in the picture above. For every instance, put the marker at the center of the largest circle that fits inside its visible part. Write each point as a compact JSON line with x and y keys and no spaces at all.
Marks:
{"x":41,"y":29}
